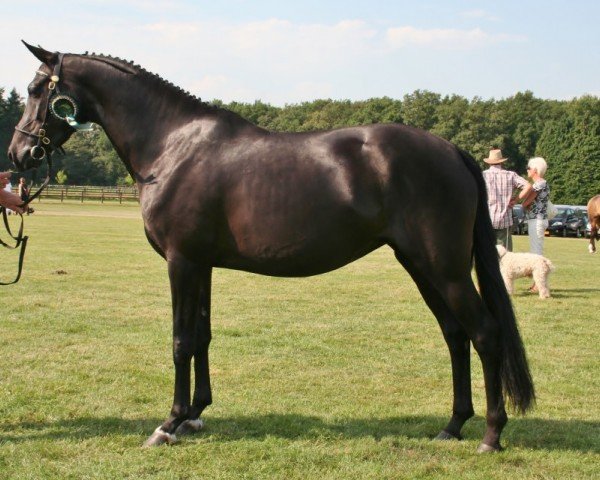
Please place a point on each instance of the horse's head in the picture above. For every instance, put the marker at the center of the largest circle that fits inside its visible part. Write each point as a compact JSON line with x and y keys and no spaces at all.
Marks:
{"x":52,"y":112}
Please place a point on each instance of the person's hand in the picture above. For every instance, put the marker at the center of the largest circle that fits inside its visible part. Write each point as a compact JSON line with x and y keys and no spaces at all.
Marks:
{"x":4,"y":178}
{"x":11,"y":201}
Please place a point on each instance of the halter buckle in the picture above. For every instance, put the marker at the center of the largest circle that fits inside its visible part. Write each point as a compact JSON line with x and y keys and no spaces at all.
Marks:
{"x":53,"y":81}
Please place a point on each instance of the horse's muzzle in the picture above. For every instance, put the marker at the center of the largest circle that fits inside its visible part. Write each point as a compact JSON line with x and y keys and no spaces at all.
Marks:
{"x":27,"y":158}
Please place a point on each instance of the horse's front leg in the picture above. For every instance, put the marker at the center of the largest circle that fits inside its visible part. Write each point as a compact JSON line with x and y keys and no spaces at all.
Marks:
{"x":202,"y":391}
{"x":190,"y":291}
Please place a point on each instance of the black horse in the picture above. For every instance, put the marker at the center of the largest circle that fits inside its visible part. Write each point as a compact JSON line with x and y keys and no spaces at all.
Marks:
{"x":217,"y":191}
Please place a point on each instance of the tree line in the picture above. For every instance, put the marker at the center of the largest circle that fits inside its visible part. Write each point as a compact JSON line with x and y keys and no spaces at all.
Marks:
{"x":565,"y":132}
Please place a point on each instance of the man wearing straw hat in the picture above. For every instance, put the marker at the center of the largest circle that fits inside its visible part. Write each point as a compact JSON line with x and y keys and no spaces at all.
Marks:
{"x":501,"y":187}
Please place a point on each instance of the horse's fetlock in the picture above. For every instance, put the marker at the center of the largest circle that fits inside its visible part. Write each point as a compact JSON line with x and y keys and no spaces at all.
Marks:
{"x":497,"y":419}
{"x":180,"y":411}
{"x":464,"y":415}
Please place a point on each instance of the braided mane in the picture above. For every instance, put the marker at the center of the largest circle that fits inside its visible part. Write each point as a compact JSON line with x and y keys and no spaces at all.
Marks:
{"x":131,"y":68}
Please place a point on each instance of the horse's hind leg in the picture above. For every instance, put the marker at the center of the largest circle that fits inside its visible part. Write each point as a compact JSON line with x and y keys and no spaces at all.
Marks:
{"x":190,"y":291}
{"x":451,"y":279}
{"x":459,"y":346}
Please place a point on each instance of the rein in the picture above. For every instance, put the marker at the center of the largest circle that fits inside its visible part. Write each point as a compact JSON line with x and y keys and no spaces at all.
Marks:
{"x":19,"y":239}
{"x":38,"y":153}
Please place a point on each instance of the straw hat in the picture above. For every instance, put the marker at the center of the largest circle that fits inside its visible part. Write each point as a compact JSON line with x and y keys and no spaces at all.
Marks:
{"x":495,"y":157}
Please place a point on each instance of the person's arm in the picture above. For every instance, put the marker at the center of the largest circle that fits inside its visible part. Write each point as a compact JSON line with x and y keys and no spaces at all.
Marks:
{"x":530,"y":197}
{"x":4,"y":177}
{"x":525,"y":188}
{"x":525,"y":191}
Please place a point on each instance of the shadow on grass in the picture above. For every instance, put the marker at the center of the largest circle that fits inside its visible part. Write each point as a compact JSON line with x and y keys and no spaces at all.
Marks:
{"x":573,"y":292}
{"x":560,"y":293}
{"x":573,"y":435}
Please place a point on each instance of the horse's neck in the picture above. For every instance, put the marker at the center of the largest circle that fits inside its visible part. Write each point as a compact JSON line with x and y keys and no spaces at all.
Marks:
{"x":137,"y":118}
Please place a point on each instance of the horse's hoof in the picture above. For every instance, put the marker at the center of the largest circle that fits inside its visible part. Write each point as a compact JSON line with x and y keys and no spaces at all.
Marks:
{"x":485,"y":448}
{"x":444,"y":435}
{"x":160,"y":437}
{"x":591,"y":249}
{"x":190,"y":426}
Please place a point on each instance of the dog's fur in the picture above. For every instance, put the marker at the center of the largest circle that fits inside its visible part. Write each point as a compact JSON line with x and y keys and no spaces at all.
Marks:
{"x":517,"y":265}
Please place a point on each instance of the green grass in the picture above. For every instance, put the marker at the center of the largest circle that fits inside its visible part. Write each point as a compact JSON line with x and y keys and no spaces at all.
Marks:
{"x":340,"y":376}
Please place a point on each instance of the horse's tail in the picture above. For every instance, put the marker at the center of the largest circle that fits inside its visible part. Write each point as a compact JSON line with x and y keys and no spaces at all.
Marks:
{"x":514,"y":370}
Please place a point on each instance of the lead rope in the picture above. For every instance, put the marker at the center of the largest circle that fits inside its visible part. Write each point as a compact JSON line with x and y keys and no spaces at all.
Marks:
{"x":19,"y":239}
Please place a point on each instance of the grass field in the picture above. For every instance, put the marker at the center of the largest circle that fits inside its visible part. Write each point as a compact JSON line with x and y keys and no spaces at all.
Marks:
{"x":340,"y":376}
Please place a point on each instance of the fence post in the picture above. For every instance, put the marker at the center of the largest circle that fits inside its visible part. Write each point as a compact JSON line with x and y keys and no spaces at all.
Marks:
{"x":82,"y":193}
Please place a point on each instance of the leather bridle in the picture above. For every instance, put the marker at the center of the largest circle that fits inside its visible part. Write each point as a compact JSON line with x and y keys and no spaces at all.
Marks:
{"x":39,"y":151}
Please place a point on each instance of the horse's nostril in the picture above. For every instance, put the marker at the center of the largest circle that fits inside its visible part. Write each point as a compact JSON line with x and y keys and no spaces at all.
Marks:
{"x":12,"y":157}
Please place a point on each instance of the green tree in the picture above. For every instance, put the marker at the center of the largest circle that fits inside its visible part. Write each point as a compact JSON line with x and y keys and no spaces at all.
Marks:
{"x":61,"y":177}
{"x":11,"y":110}
{"x":481,"y":129}
{"x":376,"y":110}
{"x":419,"y":109}
{"x":450,"y":115}
{"x":571,"y":146}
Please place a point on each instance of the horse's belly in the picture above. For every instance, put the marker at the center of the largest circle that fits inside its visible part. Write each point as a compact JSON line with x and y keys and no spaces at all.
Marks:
{"x":298,"y":264}
{"x":293,"y":252}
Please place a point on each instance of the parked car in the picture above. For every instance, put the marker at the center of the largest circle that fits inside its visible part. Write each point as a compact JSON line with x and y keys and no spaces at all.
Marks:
{"x":520,"y":225}
{"x":588,"y":228}
{"x":568,"y":222}
{"x":585,"y":220}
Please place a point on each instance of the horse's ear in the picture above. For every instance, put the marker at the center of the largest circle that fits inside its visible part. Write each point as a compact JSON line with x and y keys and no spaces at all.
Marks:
{"x":42,"y":55}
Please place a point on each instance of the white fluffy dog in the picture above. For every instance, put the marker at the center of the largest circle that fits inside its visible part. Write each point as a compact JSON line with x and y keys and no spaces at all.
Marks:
{"x":518,"y":265}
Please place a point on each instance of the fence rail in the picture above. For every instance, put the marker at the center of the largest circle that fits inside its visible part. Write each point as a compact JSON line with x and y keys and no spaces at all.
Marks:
{"x":83,"y":193}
